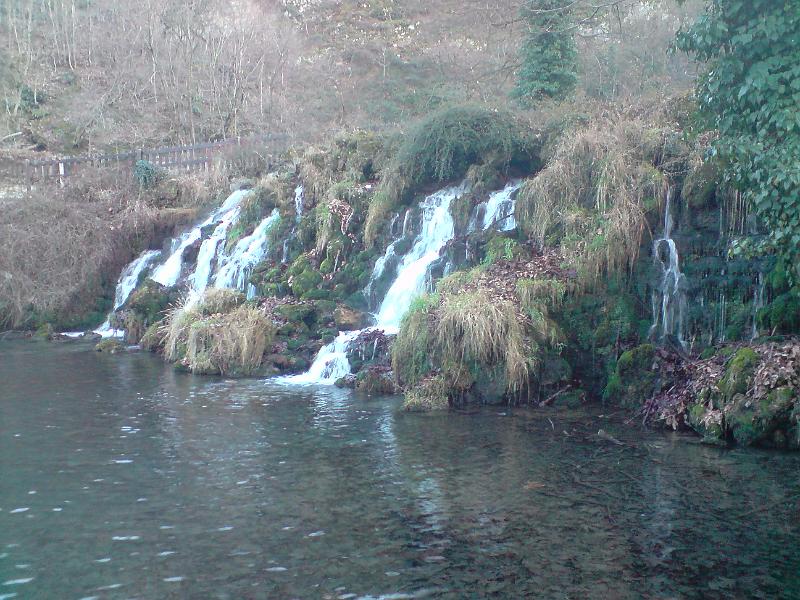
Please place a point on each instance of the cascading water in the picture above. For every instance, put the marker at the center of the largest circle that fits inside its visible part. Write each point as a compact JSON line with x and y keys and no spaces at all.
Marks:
{"x":214,"y":265}
{"x":169,"y":272}
{"x":758,"y":303}
{"x":437,"y":229}
{"x":125,"y":285}
{"x":233,"y":270}
{"x":498,"y":210}
{"x":669,"y":292}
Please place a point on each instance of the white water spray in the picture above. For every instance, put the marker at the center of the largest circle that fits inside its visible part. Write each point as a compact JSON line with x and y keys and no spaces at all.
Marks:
{"x":669,"y":295}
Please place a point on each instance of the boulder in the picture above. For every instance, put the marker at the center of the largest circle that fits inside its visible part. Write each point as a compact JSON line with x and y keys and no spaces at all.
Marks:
{"x":348,"y":319}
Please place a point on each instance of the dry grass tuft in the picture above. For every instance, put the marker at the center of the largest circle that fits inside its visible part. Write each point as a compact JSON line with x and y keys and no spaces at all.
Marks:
{"x":62,"y":249}
{"x":475,"y":327}
{"x":594,"y":193}
{"x":217,"y":335}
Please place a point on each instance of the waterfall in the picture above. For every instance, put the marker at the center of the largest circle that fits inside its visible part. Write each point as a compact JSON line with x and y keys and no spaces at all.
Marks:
{"x":498,"y":210}
{"x":298,"y":203}
{"x":758,"y":303}
{"x":169,"y":272}
{"x":669,"y":293}
{"x":233,"y":270}
{"x":437,"y":229}
{"x":125,"y":285}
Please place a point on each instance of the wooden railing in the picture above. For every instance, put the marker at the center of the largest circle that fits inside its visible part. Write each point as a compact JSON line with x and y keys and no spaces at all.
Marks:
{"x":197,"y":157}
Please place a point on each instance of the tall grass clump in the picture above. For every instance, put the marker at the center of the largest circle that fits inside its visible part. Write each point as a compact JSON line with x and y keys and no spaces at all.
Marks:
{"x":475,"y":328}
{"x":442,"y":147}
{"x":593,"y":195}
{"x":217,"y":334}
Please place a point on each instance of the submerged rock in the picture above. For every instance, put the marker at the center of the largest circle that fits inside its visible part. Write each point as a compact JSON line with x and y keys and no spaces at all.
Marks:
{"x":110,"y":346}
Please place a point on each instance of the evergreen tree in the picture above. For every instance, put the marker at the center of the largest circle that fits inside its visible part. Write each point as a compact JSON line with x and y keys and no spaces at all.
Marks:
{"x":549,"y":56}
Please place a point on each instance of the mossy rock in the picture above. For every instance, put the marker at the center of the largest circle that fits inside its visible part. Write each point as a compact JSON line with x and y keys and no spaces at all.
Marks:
{"x":298,"y":313}
{"x":150,"y":300}
{"x":152,"y":340}
{"x":755,"y":421}
{"x":713,"y":433}
{"x":375,"y":383}
{"x":633,"y":380}
{"x":304,"y":282}
{"x":110,"y":346}
{"x":738,"y":373}
{"x":429,"y":395}
{"x":46,"y":332}
{"x":347,"y":319}
{"x":700,"y":186}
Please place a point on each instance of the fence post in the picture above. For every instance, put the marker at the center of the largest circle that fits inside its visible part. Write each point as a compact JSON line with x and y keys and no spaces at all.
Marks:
{"x":28,"y":174}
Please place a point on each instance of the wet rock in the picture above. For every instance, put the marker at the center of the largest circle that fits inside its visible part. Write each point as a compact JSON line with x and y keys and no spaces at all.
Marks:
{"x":110,"y":346}
{"x":348,"y":319}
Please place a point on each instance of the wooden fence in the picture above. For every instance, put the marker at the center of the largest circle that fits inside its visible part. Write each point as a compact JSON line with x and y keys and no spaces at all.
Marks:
{"x":253,"y":151}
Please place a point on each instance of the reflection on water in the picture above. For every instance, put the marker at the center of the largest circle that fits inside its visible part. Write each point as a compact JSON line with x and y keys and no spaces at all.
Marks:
{"x":121,"y":478}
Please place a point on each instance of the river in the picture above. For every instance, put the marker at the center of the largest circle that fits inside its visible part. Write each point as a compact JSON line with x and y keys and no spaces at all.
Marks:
{"x":122,"y":478}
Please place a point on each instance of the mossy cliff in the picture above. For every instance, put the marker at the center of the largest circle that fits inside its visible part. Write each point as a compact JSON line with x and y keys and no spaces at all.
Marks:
{"x":565,"y":307}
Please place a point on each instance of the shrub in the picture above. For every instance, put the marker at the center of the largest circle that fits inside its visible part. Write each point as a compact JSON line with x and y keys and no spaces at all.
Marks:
{"x":411,"y":351}
{"x":146,"y":173}
{"x":442,"y":147}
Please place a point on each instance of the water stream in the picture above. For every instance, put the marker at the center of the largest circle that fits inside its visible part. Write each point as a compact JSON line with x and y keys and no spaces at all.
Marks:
{"x":123,"y":478}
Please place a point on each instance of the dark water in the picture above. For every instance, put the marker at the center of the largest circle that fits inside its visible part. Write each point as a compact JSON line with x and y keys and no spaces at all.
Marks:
{"x":120,"y":478}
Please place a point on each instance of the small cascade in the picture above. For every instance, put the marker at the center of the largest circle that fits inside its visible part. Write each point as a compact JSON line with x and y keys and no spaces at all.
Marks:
{"x":125,"y":285}
{"x":437,"y":229}
{"x":330,"y":363}
{"x":500,"y":208}
{"x":669,"y":293}
{"x":233,"y":270}
{"x":758,"y":303}
{"x":497,"y":210}
{"x":298,"y":203}
{"x":169,"y":272}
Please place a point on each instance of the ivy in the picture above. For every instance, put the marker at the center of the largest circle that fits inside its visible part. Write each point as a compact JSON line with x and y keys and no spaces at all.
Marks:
{"x":750,"y":93}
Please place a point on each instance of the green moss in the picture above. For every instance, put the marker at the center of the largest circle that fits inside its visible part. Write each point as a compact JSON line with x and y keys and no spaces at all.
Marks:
{"x":110,"y":346}
{"x":712,"y":432}
{"x":500,"y":248}
{"x":633,"y":380}
{"x":411,"y":352}
{"x":298,"y":313}
{"x":303,"y":283}
{"x":428,"y":396}
{"x":738,"y":373}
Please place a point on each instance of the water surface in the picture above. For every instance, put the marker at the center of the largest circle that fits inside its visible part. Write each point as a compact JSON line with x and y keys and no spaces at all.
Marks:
{"x":120,"y":478}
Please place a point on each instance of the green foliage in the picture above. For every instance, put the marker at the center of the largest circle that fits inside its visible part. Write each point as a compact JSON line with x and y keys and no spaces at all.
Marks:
{"x":549,"y":55}
{"x":442,"y":147}
{"x":146,"y":174}
{"x":750,"y":93}
{"x":411,"y":358}
{"x":500,"y":248}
